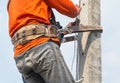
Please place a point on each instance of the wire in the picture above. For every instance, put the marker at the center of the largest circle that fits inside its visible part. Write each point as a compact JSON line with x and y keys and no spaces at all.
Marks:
{"x":74,"y":51}
{"x":77,"y":63}
{"x":78,"y":79}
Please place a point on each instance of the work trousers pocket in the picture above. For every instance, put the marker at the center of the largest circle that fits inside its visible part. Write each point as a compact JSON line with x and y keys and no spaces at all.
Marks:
{"x":24,"y":63}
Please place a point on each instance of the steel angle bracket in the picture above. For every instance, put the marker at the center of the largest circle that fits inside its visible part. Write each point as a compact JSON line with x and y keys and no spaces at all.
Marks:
{"x":77,"y":29}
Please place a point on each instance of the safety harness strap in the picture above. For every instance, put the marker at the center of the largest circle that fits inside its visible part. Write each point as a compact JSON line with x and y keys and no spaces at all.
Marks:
{"x":30,"y":32}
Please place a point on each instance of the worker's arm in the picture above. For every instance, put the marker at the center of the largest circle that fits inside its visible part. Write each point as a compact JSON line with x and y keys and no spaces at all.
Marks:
{"x":65,"y":7}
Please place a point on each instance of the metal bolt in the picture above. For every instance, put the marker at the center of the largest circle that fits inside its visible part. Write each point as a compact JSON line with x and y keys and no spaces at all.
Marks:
{"x":82,"y":53}
{"x":83,"y":4}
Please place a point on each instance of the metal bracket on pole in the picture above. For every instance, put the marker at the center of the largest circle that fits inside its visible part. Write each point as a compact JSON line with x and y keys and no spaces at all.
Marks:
{"x":80,"y":28}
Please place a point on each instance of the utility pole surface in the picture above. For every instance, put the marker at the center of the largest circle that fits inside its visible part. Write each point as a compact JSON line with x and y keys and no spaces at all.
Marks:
{"x":89,"y":44}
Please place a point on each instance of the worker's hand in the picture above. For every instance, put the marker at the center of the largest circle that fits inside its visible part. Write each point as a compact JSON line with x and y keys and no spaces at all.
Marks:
{"x":78,"y":8}
{"x":76,"y":22}
{"x":70,"y":24}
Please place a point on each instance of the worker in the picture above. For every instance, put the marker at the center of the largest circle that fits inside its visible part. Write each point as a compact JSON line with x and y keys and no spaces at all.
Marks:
{"x":36,"y":45}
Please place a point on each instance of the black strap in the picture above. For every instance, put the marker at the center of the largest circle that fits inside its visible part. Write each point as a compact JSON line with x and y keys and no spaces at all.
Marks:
{"x":52,"y":19}
{"x":8,"y":4}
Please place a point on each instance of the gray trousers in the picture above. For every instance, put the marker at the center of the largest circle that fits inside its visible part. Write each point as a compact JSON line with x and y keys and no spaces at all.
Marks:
{"x":43,"y":64}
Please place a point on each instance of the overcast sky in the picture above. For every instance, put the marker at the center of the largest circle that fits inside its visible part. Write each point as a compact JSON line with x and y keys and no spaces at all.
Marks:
{"x":110,"y":20}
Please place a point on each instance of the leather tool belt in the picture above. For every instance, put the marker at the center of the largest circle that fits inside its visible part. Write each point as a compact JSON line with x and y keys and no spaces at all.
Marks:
{"x":30,"y":32}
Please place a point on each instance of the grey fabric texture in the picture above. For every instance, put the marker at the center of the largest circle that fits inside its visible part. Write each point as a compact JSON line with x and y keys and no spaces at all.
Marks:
{"x":44,"y":64}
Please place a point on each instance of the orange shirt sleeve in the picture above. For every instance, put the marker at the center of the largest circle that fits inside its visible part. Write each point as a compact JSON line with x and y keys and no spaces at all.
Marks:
{"x":65,"y":7}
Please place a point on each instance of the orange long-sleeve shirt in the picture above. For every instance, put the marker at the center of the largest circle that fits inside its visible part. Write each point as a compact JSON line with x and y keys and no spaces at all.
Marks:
{"x":25,"y":12}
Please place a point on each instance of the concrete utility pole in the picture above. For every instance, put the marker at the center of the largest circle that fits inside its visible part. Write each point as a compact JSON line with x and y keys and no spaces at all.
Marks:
{"x":89,"y":44}
{"x":88,"y":68}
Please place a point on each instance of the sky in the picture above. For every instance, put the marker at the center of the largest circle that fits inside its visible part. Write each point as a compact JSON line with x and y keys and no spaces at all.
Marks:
{"x":110,"y":14}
